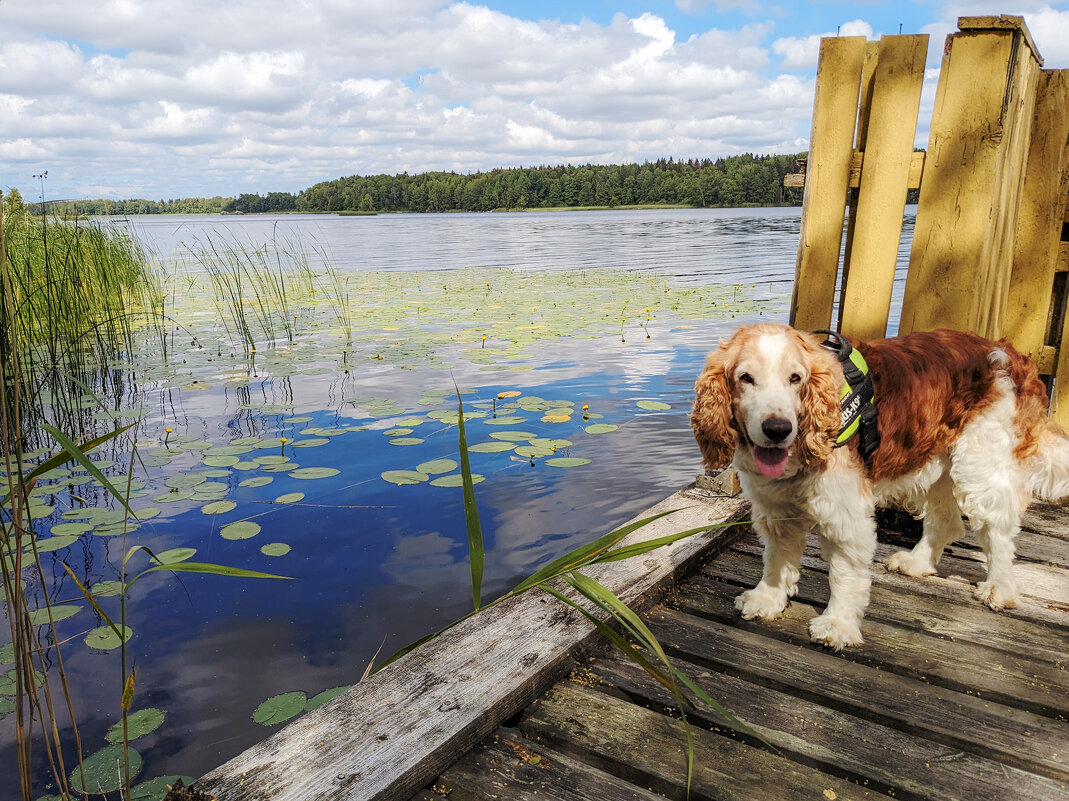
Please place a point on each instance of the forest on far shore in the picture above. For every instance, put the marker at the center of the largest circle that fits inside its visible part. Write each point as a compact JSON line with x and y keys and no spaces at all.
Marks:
{"x":745,"y":180}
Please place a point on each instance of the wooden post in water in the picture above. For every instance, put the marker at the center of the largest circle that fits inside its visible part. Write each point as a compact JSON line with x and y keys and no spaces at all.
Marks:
{"x":959,"y":272}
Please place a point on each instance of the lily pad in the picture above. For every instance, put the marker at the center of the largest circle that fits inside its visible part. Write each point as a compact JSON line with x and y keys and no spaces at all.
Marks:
{"x":138,"y":724}
{"x":280,"y":708}
{"x":105,"y":589}
{"x":491,"y":447}
{"x":397,"y":432}
{"x":600,"y":428}
{"x":55,"y":543}
{"x":318,"y":700}
{"x":653,"y":406}
{"x":105,"y":639}
{"x":504,"y":421}
{"x":309,"y":473}
{"x":39,"y":617}
{"x":218,"y":507}
{"x":220,"y":461}
{"x":436,"y":466}
{"x":567,"y":461}
{"x":533,"y":451}
{"x":257,"y":481}
{"x":104,"y":771}
{"x":240,"y":530}
{"x":456,"y":480}
{"x":311,"y":442}
{"x":290,"y":497}
{"x":174,"y":555}
{"x":275,"y":549}
{"x":174,"y":497}
{"x":184,"y":480}
{"x":157,"y":789}
{"x":404,"y":476}
{"x":406,"y":441}
{"x":513,"y":436}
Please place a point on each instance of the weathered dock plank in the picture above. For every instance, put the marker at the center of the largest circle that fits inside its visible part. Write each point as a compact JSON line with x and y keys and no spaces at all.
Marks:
{"x":389,"y":735}
{"x":649,"y":749}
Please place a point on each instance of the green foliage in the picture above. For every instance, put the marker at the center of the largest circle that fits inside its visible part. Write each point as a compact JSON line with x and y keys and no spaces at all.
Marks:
{"x":736,"y":181}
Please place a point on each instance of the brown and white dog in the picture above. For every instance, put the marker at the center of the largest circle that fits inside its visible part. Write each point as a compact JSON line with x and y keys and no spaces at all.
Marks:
{"x":963,"y":430}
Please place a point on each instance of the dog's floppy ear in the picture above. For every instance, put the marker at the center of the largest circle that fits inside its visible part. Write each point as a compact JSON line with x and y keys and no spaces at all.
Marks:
{"x":818,"y":420}
{"x":713,"y":411}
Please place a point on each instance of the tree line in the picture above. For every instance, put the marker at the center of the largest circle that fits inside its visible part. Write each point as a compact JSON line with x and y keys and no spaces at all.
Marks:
{"x":745,"y":180}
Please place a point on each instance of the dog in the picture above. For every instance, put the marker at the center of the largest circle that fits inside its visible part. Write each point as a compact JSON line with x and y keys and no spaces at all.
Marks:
{"x":962,"y":428}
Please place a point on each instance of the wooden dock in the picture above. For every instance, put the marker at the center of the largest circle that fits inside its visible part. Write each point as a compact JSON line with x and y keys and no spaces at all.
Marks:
{"x":946,"y":699}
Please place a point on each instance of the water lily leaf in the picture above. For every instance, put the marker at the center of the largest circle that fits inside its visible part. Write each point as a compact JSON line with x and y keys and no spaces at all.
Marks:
{"x":653,"y":406}
{"x":228,"y":450}
{"x":274,"y":458}
{"x":504,"y":421}
{"x":245,"y":465}
{"x":436,"y":466}
{"x":7,"y":654}
{"x":600,"y":428}
{"x":315,"y":472}
{"x":410,"y":422}
{"x":147,"y":513}
{"x":240,"y":530}
{"x":257,"y":481}
{"x":275,"y":549}
{"x":138,"y":724}
{"x":290,"y":497}
{"x":70,"y":529}
{"x":220,"y":461}
{"x":397,"y":432}
{"x":105,"y":771}
{"x":105,"y":589}
{"x":184,"y":480}
{"x":513,"y":436}
{"x":54,"y":543}
{"x":509,"y":394}
{"x":280,"y":708}
{"x":311,"y":442}
{"x":317,"y":701}
{"x":246,"y":441}
{"x":533,"y":451}
{"x":105,"y":639}
{"x":173,"y":555}
{"x":39,"y":617}
{"x":404,"y":476}
{"x":280,"y":468}
{"x":456,"y":480}
{"x":174,"y":497}
{"x":115,"y":529}
{"x":218,"y":507}
{"x":567,"y":461}
{"x":406,"y":441}
{"x":298,"y":419}
{"x":491,"y":447}
{"x":156,"y":789}
{"x":553,"y":444}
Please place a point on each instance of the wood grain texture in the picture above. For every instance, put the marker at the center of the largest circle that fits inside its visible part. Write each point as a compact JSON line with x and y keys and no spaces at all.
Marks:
{"x":835,"y":112}
{"x":877,"y":230}
{"x":391,"y":734}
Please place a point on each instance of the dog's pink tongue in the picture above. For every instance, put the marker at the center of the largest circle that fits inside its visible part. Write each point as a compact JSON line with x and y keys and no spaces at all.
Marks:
{"x":771,"y":462}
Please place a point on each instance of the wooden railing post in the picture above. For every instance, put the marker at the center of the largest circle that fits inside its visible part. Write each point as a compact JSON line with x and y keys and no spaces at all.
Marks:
{"x":827,"y":177}
{"x":959,"y":273}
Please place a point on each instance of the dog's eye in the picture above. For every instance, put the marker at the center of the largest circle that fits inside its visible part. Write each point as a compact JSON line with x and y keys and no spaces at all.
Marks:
{"x":795,"y":378}
{"x":746,"y":378}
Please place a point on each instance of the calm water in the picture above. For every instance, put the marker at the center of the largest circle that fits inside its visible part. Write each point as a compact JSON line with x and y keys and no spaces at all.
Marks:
{"x":377,"y":565}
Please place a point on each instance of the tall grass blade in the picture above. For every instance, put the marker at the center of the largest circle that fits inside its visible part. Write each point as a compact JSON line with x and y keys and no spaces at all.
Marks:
{"x":471,"y":514}
{"x":79,"y":456}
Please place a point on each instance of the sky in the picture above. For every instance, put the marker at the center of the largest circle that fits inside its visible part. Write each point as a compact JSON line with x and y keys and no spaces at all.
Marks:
{"x":196,"y":98}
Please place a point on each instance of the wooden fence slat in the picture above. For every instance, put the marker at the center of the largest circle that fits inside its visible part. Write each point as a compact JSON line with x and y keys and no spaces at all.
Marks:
{"x":1040,"y":219}
{"x":835,"y":109}
{"x":881,"y":202}
{"x":970,"y":193}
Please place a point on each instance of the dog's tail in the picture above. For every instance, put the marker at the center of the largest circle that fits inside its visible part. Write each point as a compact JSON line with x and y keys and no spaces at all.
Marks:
{"x":1048,"y":469}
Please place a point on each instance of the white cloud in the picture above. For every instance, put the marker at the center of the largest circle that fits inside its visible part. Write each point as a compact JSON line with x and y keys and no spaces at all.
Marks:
{"x":801,"y":53}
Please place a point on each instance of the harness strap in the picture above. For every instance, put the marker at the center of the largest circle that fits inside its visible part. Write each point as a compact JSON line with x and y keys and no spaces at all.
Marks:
{"x":857,"y":414}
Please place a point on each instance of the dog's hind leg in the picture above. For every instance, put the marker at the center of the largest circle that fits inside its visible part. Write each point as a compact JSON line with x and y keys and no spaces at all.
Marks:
{"x":784,"y":542}
{"x":942,"y":525}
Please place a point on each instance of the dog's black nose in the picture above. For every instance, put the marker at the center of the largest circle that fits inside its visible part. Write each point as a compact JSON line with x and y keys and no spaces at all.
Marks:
{"x":777,"y":429}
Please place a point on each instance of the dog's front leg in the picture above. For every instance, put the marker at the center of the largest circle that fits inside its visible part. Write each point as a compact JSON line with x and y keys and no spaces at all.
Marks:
{"x":849,"y":555}
{"x":784,"y":542}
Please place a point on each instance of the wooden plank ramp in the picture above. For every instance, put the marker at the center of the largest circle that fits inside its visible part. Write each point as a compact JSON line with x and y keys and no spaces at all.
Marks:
{"x":946,"y":699}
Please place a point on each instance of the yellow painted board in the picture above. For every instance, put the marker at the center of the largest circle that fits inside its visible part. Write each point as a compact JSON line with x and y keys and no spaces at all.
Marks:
{"x":1039,"y":223}
{"x":881,"y":202}
{"x":1059,"y":398}
{"x":916,"y":168}
{"x":956,"y":209}
{"x":835,"y":111}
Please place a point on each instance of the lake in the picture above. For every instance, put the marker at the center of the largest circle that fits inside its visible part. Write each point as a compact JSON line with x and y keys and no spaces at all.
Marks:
{"x":312,"y":414}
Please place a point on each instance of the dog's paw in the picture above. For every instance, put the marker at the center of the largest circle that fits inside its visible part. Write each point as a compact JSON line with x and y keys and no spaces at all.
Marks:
{"x":835,"y":632}
{"x":995,"y":596}
{"x":907,"y":563}
{"x":759,"y":604}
